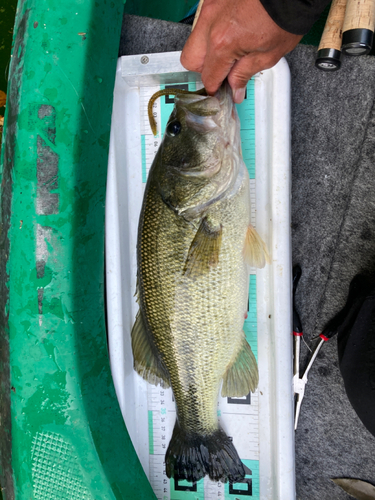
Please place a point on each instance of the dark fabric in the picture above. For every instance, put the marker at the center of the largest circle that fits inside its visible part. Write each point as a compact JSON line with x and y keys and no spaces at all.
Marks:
{"x":341,"y":324}
{"x":357,"y":363}
{"x":295,"y":16}
{"x":354,"y":326}
{"x":143,"y":35}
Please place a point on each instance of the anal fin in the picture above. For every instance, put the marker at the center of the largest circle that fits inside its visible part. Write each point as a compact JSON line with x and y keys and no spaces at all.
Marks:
{"x":255,"y":250}
{"x":241,"y":376}
{"x":146,"y":359}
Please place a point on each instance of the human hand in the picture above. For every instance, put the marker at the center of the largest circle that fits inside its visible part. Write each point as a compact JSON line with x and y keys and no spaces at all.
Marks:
{"x":234,"y":39}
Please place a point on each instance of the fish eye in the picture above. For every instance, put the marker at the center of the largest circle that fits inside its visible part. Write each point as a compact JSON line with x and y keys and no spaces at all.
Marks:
{"x":174,"y":128}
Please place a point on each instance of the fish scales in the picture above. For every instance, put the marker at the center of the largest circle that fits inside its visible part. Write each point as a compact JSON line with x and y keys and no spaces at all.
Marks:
{"x":193,"y":320}
{"x":193,"y":282}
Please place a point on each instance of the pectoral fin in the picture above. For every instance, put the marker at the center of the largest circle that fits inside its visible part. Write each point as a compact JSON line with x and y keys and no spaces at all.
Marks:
{"x":204,"y":250}
{"x":146,"y":360}
{"x":255,"y":251}
{"x":241,"y":376}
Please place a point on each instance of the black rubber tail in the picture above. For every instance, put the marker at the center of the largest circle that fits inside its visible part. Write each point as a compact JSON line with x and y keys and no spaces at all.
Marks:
{"x":192,"y":457}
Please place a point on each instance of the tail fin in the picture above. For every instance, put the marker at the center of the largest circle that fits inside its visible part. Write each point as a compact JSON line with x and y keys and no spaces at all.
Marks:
{"x":192,"y":457}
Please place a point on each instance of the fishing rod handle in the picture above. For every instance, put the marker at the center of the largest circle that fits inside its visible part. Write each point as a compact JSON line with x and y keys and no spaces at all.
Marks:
{"x":332,"y":34}
{"x":358,"y":28}
{"x":359,"y":14}
{"x":329,"y":50}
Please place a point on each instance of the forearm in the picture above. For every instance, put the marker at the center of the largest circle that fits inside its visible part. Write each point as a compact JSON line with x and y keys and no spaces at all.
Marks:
{"x":295,"y":16}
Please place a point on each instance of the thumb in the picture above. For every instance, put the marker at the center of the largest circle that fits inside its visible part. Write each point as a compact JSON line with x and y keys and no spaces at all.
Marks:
{"x":194,"y":51}
{"x":244,"y":69}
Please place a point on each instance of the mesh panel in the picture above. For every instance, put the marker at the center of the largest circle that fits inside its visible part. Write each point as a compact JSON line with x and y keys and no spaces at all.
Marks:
{"x":56,"y":471}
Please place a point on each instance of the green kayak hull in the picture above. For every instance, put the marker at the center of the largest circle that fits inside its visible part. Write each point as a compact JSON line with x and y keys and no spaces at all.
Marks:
{"x":62,"y":435}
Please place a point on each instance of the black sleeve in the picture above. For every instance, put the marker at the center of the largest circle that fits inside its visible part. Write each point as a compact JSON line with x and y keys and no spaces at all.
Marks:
{"x":295,"y":16}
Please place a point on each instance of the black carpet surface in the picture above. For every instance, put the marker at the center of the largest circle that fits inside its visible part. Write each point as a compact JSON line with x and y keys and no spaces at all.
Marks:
{"x":333,"y":234}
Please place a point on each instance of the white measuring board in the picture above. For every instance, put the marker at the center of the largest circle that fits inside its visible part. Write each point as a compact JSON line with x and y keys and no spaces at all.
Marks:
{"x":261,"y":424}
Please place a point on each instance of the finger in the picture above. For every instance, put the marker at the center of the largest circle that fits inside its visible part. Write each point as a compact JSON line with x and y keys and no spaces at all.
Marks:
{"x":213,"y":76}
{"x":245,"y":68}
{"x":217,"y":65}
{"x":197,"y":13}
{"x":194,"y":51}
{"x":223,"y":50}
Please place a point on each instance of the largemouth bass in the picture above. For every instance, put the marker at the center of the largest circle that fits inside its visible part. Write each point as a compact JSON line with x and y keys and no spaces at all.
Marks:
{"x":195,"y":242}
